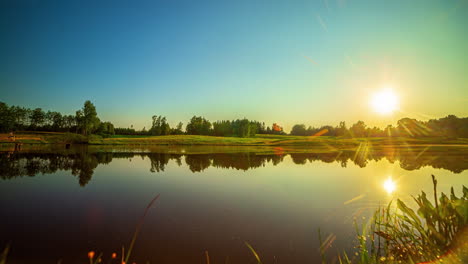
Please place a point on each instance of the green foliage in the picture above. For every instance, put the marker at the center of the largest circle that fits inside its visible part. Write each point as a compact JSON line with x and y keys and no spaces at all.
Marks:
{"x":429,"y":233}
{"x":37,"y":117}
{"x":358,"y":129}
{"x":87,"y":119}
{"x":401,"y":235}
{"x":299,"y":130}
{"x":178,"y":130}
{"x":448,"y":127}
{"x":199,"y":126}
{"x":160,"y":126}
{"x":106,"y":129}
{"x":235,"y":128}
{"x":16,"y":118}
{"x":6,"y":118}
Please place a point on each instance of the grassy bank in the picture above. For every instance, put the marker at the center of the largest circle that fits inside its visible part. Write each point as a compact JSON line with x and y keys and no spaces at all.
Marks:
{"x":258,"y":140}
{"x":44,"y":138}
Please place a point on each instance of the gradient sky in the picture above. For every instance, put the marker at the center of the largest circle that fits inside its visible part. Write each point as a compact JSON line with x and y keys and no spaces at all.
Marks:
{"x":312,"y":62}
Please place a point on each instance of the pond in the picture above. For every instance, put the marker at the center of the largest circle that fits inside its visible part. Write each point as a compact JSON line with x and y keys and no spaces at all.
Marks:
{"x":57,"y":204}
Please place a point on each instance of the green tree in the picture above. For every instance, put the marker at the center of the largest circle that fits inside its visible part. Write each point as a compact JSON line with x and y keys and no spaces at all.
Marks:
{"x":198,"y":126}
{"x":341,"y":130}
{"x":57,"y":121}
{"x":165,"y":128}
{"x":299,"y":130}
{"x":37,"y":118}
{"x":87,"y":118}
{"x":6,"y":120}
{"x":358,"y":129}
{"x":106,"y":129}
{"x":156,"y":127}
{"x":178,"y":130}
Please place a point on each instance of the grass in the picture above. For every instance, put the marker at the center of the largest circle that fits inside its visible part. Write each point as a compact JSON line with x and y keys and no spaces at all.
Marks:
{"x":45,"y":138}
{"x":268,"y":140}
{"x":258,"y":140}
{"x":435,"y":233}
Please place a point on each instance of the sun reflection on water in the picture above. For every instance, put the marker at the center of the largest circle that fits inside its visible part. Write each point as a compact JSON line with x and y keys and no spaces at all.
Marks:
{"x":389,"y":185}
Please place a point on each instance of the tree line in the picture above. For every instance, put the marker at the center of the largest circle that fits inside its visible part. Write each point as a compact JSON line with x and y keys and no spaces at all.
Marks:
{"x":199,"y":125}
{"x":86,"y":122}
{"x":450,"y":126}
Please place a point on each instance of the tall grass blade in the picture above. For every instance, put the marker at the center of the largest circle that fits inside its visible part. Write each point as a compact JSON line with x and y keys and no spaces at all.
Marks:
{"x":207,"y":257}
{"x":253,"y":252}
{"x":4,"y":255}
{"x":135,"y":235}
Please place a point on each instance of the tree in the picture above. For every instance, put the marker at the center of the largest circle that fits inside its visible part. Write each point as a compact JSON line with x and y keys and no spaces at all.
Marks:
{"x":57,"y":121}
{"x":341,"y":130}
{"x":106,"y":129}
{"x":178,"y":130}
{"x":87,"y":118}
{"x":277,"y":129}
{"x":69,"y":122}
{"x":198,"y":126}
{"x":156,"y":126}
{"x":223,"y":128}
{"x":358,"y":129}
{"x":165,"y":128}
{"x":299,"y":130}
{"x":261,"y":129}
{"x":6,"y":121}
{"x":37,"y":118}
{"x":411,"y":127}
{"x":160,"y":126}
{"x":243,"y":128}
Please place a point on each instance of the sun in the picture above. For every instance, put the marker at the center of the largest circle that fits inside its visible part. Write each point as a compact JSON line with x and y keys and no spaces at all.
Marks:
{"x":385,"y":101}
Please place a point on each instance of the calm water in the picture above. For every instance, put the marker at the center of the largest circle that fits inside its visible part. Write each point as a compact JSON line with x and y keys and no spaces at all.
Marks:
{"x":59,"y":204}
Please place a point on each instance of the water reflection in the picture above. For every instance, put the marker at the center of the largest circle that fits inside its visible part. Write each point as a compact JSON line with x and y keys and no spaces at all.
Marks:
{"x":389,"y":185}
{"x":82,"y":161}
{"x":207,"y":200}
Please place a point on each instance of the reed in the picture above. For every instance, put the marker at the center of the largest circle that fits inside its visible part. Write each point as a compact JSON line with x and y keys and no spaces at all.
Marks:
{"x":435,"y":232}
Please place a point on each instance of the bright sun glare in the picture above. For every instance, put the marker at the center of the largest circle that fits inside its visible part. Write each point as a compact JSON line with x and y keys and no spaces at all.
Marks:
{"x":385,"y":101}
{"x":389,"y":185}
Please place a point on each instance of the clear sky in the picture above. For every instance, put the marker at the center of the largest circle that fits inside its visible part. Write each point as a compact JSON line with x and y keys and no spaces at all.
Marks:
{"x":313,"y":62}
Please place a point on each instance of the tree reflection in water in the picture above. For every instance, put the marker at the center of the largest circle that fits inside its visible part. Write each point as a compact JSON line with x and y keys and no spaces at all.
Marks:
{"x":83,"y":161}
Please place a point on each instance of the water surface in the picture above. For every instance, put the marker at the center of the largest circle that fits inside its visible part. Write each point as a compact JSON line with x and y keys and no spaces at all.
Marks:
{"x":60,"y":203}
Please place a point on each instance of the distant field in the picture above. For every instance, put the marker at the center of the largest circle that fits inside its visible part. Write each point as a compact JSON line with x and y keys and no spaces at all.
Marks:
{"x":259,"y":140}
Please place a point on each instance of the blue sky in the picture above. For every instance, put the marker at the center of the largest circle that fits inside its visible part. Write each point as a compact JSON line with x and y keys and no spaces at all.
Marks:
{"x":313,"y":62}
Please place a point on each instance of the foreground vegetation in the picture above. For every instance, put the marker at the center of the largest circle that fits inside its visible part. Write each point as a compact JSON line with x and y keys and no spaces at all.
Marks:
{"x":434,"y":233}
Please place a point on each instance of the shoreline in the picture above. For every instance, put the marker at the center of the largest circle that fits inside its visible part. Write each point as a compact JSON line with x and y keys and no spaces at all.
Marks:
{"x":260,"y":140}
